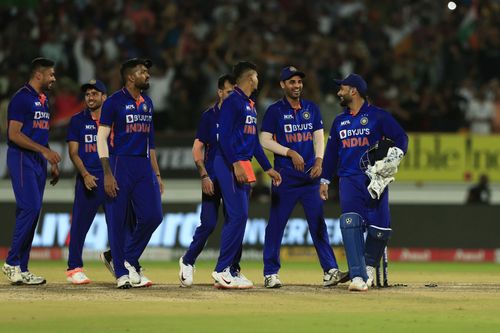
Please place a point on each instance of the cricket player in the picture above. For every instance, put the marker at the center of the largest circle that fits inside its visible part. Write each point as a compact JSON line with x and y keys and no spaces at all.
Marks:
{"x":293,"y":130}
{"x":89,"y":188}
{"x":131,"y":173}
{"x":204,"y":147}
{"x":27,"y":156}
{"x":238,"y":143}
{"x":363,"y":205}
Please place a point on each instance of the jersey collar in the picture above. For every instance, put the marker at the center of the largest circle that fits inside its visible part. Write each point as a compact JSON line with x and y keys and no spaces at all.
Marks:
{"x":364,"y":108}
{"x":288,"y":105}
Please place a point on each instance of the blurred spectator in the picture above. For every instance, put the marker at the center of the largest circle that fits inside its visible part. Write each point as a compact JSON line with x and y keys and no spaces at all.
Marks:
{"x":481,"y":192}
{"x":479,"y":113}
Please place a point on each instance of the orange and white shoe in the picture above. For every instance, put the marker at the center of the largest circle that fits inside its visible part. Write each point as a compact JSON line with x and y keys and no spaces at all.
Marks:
{"x":77,"y":276}
{"x":144,"y":283}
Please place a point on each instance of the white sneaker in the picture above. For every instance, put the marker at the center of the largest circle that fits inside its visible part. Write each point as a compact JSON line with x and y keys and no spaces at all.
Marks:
{"x":332,"y":277}
{"x":358,"y":284}
{"x":77,"y":276}
{"x":224,"y":280}
{"x":123,"y":282}
{"x":186,"y":273}
{"x":107,"y":259}
{"x":134,"y":277}
{"x":370,"y":271}
{"x":272,"y":281}
{"x":32,"y":279}
{"x":243,"y":282}
{"x":145,"y":282}
{"x":13,"y":273}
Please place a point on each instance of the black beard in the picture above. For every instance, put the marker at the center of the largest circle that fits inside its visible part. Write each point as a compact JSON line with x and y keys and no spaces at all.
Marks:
{"x":344,"y":103}
{"x":143,"y":86}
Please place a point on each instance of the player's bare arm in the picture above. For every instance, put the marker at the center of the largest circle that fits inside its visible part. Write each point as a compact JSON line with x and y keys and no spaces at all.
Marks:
{"x":319,"y":150}
{"x":110,"y":185}
{"x":20,"y":139}
{"x":156,"y":168}
{"x":207,"y":186}
{"x":88,"y":179}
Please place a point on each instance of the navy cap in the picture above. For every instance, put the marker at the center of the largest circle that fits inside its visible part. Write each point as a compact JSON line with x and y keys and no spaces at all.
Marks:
{"x":289,"y":71}
{"x":354,"y":80}
{"x":131,"y":63}
{"x":96,"y":84}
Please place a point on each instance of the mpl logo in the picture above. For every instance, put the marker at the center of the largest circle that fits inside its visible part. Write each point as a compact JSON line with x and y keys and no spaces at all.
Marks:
{"x":287,"y":116}
{"x":90,"y":127}
{"x":129,"y":118}
{"x":129,"y":107}
{"x":288,"y":128}
{"x":345,"y":122}
{"x":38,"y":104}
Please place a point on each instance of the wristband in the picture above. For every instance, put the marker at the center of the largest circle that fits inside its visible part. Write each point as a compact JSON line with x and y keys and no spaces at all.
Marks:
{"x":204,"y":176}
{"x":324,"y":181}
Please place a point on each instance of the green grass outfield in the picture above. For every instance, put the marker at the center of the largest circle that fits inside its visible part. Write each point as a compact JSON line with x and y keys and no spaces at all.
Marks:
{"x":466,"y":299}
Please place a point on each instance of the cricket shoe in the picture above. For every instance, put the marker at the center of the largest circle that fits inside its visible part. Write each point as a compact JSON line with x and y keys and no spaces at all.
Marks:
{"x":145,"y":282}
{"x":32,"y":279}
{"x":333,"y":277}
{"x":370,"y":271}
{"x":358,"y":284}
{"x":123,"y":282}
{"x":243,"y":282}
{"x":224,"y":280}
{"x":272,"y":281}
{"x":186,"y":273}
{"x":134,"y":277}
{"x":13,"y":273}
{"x":107,"y":260}
{"x":77,"y":276}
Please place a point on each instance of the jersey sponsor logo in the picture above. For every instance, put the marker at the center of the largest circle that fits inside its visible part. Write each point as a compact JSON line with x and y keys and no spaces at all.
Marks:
{"x":287,"y":116}
{"x":364,"y":121}
{"x":38,"y":104}
{"x":354,"y":132}
{"x":41,"y":115}
{"x":345,"y":122}
{"x":289,"y":128}
{"x":89,"y":138}
{"x":90,"y":127}
{"x":132,"y":118}
{"x":250,"y":127}
{"x":250,"y":120}
{"x":129,"y":107}
{"x":41,"y":120}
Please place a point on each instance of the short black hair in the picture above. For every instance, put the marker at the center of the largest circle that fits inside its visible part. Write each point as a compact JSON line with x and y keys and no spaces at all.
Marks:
{"x":241,"y":68}
{"x":131,"y":63}
{"x":222,"y":80}
{"x":39,"y":63}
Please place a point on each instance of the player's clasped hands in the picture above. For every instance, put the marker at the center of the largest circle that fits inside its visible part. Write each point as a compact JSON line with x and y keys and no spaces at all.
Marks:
{"x":110,"y":185}
{"x":90,"y":181}
{"x":297,"y":160}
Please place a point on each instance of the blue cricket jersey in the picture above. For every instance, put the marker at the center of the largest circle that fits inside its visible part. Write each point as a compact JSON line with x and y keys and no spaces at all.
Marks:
{"x":293,"y":128}
{"x":31,"y":109}
{"x":207,"y":134}
{"x":131,"y":121}
{"x":238,"y":139}
{"x":350,"y":137}
{"x":83,"y":129}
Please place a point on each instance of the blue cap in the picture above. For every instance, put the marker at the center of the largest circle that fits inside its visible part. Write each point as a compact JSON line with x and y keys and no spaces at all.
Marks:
{"x":95,"y":84}
{"x":290,"y":71}
{"x":354,"y":80}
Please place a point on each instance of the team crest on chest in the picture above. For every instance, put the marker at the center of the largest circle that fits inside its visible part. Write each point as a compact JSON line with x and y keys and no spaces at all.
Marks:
{"x":306,"y":115}
{"x":364,"y":121}
{"x":144,"y":107}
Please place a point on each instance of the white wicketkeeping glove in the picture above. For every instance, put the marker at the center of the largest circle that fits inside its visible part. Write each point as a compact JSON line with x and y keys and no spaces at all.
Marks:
{"x":388,"y":166}
{"x":377,"y":183}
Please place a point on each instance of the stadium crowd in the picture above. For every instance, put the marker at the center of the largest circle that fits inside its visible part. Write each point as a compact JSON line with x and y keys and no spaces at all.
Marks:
{"x":434,"y":68}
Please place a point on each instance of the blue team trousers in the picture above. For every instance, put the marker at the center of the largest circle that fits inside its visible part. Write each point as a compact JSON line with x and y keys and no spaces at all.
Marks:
{"x":235,"y":196}
{"x":137,"y":184}
{"x":28,"y":173}
{"x":292,"y":190}
{"x":354,"y":197}
{"x":208,"y":220}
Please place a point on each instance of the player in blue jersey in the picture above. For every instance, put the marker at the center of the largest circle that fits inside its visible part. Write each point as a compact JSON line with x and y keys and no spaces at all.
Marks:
{"x":27,"y":156}
{"x":131,"y":173}
{"x":363,"y":205}
{"x":238,"y":143}
{"x":89,"y":188}
{"x":204,"y":147}
{"x":293,"y":130}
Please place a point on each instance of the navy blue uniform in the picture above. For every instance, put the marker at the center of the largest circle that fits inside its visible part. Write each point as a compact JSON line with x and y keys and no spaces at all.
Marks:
{"x":350,"y":136}
{"x":238,"y":141}
{"x":294,"y":128}
{"x":28,"y":170}
{"x":131,"y":139}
